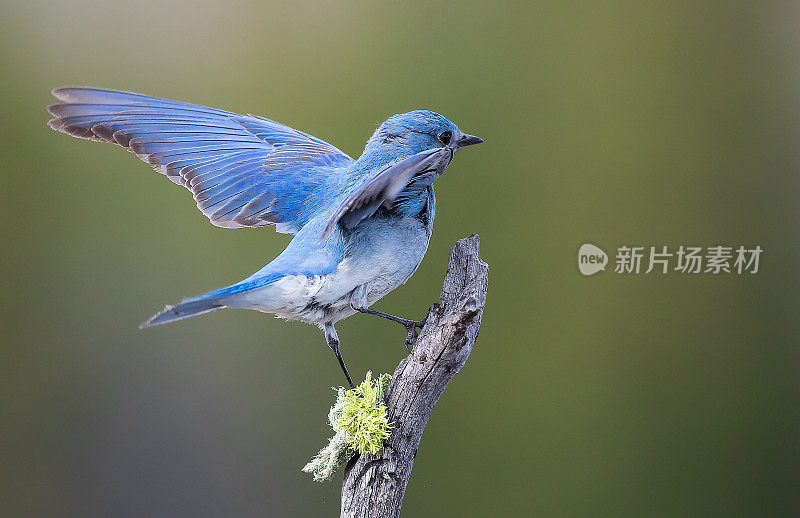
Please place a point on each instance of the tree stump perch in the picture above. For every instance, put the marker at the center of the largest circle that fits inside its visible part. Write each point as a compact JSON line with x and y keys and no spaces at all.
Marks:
{"x":374,"y":484}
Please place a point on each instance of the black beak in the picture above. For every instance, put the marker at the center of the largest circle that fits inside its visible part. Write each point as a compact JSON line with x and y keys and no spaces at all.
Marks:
{"x":468,"y":140}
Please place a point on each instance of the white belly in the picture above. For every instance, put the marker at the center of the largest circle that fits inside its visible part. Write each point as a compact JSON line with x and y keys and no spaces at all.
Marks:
{"x":380,"y":256}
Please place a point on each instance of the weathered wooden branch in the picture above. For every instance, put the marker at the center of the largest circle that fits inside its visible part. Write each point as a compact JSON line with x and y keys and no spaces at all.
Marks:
{"x":374,"y":485}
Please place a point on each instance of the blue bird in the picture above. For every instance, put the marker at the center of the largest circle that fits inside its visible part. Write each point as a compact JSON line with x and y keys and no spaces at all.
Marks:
{"x":361,"y":227}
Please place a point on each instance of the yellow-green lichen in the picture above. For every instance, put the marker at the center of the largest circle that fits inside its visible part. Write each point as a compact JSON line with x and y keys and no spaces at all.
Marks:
{"x":363,"y":419}
{"x":361,"y":424}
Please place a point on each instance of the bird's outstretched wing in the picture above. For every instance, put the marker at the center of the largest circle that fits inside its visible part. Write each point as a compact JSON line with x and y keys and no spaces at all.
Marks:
{"x":385,"y":185}
{"x":243,"y":170}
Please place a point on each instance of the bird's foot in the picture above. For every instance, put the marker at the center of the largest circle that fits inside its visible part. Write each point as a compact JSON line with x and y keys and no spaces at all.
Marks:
{"x":410,"y":325}
{"x":411,"y":328}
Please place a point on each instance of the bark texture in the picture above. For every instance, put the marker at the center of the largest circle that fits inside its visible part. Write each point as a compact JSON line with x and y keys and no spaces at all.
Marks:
{"x":374,"y":485}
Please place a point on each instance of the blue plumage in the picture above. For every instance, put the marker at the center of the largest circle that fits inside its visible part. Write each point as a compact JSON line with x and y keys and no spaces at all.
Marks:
{"x":361,"y":226}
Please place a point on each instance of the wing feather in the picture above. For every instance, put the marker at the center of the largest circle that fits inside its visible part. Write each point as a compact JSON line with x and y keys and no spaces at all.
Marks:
{"x":243,"y":170}
{"x":384,"y":186}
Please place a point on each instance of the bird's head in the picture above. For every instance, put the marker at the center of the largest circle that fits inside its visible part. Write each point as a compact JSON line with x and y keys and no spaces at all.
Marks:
{"x":409,"y":133}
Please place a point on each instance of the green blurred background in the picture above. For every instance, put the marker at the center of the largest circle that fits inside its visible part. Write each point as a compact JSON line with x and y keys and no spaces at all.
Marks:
{"x":651,"y":123}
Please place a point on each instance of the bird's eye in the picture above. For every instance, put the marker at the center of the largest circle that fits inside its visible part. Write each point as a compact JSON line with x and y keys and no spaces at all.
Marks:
{"x":445,"y":136}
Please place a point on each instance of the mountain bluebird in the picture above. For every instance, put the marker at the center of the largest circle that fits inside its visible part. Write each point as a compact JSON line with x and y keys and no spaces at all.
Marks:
{"x":361,"y":227}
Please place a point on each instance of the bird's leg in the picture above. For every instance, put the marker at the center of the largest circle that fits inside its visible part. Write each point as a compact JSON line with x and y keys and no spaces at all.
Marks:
{"x":333,"y":342}
{"x":410,"y":325}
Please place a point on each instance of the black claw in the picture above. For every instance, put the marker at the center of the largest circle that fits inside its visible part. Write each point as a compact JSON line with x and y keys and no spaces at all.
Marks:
{"x":410,"y":338}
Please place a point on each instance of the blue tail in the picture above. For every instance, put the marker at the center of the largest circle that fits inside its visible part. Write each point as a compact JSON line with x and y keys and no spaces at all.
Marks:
{"x":209,"y":301}
{"x":186,"y":309}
